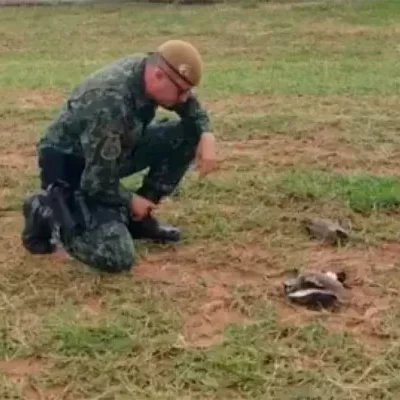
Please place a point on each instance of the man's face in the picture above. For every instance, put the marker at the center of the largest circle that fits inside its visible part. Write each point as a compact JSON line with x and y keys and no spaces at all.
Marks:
{"x":170,"y":89}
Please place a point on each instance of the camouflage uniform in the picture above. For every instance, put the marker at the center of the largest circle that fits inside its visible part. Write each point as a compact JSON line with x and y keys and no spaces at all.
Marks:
{"x":104,"y":132}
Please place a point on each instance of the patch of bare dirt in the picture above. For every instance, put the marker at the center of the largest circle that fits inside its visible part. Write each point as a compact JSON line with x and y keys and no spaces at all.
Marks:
{"x":326,"y":109}
{"x":12,"y":41}
{"x":18,"y":138}
{"x":335,"y":30}
{"x":371,"y":276}
{"x":19,"y":134}
{"x":38,"y":98}
{"x":15,"y":167}
{"x":92,"y":306}
{"x":283,"y":152}
{"x":10,"y":242}
{"x":34,"y":393}
{"x":205,"y":326}
{"x":210,"y":280}
{"x":324,"y":151}
{"x":183,"y":266}
{"x":20,"y":368}
{"x":25,"y":160}
{"x":20,"y":371}
{"x":371,"y":293}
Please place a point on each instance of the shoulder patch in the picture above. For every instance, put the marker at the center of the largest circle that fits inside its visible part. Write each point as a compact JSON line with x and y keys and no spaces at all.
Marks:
{"x":111,"y":148}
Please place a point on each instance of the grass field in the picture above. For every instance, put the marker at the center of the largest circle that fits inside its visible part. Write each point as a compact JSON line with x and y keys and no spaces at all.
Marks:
{"x":305,"y":101}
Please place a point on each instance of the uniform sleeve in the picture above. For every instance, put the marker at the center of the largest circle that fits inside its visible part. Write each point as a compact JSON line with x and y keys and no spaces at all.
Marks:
{"x":194,"y":116}
{"x":101,"y":143}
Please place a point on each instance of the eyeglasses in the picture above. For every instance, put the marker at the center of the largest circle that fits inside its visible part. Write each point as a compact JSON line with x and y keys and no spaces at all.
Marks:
{"x":181,"y":90}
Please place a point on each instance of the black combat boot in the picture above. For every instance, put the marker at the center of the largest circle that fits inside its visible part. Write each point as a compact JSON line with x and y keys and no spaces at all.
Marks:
{"x":39,"y":225}
{"x":150,"y":228}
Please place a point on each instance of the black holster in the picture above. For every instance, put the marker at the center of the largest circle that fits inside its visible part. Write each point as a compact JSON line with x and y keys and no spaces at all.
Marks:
{"x":73,"y":210}
{"x":60,"y":177}
{"x":59,"y":198}
{"x":69,"y":209}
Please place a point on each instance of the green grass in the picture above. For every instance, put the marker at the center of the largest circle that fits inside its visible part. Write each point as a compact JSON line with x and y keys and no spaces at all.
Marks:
{"x":362,"y":193}
{"x":304,"y":101}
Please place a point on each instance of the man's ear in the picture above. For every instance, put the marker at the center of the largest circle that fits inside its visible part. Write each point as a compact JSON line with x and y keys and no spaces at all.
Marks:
{"x":158,"y":73}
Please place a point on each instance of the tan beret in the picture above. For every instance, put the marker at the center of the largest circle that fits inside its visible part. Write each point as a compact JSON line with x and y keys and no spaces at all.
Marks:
{"x":184,"y":59}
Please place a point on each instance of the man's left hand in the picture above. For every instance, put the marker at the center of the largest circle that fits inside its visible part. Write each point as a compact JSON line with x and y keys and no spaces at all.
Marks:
{"x":206,"y":158}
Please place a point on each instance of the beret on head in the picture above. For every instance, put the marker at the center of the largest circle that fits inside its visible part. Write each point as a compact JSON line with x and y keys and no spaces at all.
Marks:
{"x":183,"y":58}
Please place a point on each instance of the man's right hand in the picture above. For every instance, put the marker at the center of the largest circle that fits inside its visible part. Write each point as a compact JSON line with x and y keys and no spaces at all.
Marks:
{"x":141,"y":207}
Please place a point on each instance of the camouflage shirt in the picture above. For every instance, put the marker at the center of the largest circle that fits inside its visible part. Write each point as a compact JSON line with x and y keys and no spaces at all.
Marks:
{"x":103,"y":119}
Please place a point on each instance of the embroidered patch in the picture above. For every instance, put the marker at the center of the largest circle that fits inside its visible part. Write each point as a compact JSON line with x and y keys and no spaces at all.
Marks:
{"x":184,"y":70}
{"x":111,"y":148}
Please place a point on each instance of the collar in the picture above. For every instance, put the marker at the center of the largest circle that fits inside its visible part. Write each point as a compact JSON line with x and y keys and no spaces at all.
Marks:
{"x":140,"y":98}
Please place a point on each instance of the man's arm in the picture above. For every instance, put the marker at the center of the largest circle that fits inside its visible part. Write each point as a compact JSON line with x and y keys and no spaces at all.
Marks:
{"x":194,"y":116}
{"x":197,"y":123}
{"x":101,"y":143}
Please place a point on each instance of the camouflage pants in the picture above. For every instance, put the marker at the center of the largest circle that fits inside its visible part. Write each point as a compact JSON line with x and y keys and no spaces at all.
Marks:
{"x":167,"y":149}
{"x":106,"y":246}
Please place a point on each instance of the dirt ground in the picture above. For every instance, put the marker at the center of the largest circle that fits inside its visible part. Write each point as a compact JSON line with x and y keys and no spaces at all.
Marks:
{"x":215,"y":302}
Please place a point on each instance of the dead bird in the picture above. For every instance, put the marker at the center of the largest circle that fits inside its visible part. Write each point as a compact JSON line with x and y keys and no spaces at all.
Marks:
{"x":317,"y":289}
{"x":328,"y":231}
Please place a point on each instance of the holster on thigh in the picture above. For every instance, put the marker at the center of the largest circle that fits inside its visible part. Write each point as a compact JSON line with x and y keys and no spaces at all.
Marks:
{"x":73,"y":211}
{"x":59,"y":199}
{"x":69,"y":210}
